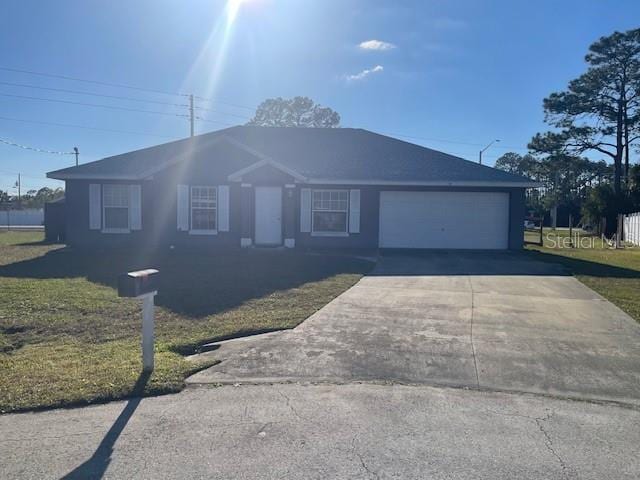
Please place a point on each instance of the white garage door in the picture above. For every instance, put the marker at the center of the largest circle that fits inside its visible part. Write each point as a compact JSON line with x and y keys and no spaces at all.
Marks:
{"x":444,"y":220}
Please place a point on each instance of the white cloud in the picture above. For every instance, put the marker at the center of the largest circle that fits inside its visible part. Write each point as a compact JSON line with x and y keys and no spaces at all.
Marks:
{"x":364,"y":73}
{"x":376,"y":45}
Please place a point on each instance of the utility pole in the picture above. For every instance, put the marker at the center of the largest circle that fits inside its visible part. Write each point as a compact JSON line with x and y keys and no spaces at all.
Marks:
{"x":18,"y":185}
{"x":76,"y":152}
{"x":191,"y":114}
{"x":482,"y":151}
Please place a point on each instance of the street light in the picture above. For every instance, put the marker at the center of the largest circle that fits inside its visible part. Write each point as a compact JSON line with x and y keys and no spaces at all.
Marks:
{"x":494,"y":141}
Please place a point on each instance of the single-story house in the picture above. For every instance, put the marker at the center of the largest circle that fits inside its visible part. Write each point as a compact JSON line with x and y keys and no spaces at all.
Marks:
{"x":293,"y":187}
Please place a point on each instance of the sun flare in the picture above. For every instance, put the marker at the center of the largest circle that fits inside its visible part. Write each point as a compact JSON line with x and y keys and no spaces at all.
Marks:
{"x":232,"y":8}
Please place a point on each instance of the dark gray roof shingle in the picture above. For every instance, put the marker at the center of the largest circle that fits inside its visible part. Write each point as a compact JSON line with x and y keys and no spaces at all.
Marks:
{"x":315,"y":153}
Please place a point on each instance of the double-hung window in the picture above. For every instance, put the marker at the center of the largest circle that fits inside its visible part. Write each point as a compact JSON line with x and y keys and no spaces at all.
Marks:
{"x":204,"y":209}
{"x":115,"y":205}
{"x":329,"y":212}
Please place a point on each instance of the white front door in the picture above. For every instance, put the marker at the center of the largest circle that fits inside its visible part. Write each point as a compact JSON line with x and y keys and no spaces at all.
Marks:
{"x":268,"y":216}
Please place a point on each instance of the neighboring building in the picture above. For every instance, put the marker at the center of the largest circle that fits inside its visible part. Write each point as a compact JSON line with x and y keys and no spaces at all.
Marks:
{"x":296,"y":187}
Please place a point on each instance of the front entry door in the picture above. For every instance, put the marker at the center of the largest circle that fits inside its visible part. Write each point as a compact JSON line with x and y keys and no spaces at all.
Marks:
{"x":268,"y":216}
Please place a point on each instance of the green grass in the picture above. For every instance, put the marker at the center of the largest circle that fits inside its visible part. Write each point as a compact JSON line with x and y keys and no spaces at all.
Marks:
{"x":67,"y":339}
{"x":614,"y":274}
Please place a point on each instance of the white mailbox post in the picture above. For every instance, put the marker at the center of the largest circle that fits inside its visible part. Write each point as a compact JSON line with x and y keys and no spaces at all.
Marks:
{"x":148,"y":324}
{"x":142,"y":284}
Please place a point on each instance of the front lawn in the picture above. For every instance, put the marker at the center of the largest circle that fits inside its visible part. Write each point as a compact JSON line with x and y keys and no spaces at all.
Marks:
{"x":614,"y":274}
{"x":66,"y":338}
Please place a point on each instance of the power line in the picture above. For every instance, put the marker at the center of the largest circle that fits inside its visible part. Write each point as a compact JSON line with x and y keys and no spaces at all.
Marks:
{"x":5,"y":173}
{"x":215,"y":121}
{"x":79,"y":92}
{"x":451,"y":141}
{"x":242,"y":117}
{"x":95,"y":82}
{"x":121,"y":85}
{"x":149,"y":90}
{"x":70,"y":125}
{"x":112,"y":107}
{"x":236,"y":105}
{"x":35,"y":149}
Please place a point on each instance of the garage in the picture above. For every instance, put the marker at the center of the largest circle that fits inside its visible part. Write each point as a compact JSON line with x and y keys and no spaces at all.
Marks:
{"x":460,"y":220}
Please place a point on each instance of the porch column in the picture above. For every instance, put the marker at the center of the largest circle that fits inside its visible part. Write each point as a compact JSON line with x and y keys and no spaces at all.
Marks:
{"x":246,"y":215}
{"x":289,"y":215}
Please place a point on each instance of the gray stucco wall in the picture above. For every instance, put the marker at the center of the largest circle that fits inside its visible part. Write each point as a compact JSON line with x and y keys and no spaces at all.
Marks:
{"x":370,"y":217}
{"x":159,"y":211}
{"x":517,"y":210}
{"x":78,"y":233}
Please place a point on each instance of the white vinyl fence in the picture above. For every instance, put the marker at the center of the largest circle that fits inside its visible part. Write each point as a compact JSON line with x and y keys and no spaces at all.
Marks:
{"x":631,"y":228}
{"x":28,"y":217}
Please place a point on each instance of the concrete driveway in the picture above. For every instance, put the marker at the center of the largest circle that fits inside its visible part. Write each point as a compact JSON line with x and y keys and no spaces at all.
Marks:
{"x":494,"y":321}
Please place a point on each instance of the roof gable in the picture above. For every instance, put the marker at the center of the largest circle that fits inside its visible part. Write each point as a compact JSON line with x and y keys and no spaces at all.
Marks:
{"x":266,"y":162}
{"x":144,"y":163}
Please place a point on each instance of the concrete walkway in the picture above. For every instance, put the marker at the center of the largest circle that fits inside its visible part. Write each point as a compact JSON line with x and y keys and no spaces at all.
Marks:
{"x":486,"y":321}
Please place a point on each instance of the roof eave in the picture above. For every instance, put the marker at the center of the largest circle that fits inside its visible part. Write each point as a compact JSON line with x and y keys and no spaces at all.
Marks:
{"x":61,"y":175}
{"x":92,"y":176}
{"x":428,"y":183}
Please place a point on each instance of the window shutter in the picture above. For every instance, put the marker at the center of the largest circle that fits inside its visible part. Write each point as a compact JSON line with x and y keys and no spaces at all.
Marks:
{"x":223,"y":208}
{"x":95,"y":207}
{"x":354,"y":211}
{"x":135,"y":207}
{"x":183,"y":208}
{"x":305,"y":210}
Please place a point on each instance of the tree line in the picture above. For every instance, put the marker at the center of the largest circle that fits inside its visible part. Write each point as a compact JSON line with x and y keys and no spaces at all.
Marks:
{"x":597,"y":114}
{"x":31,"y":199}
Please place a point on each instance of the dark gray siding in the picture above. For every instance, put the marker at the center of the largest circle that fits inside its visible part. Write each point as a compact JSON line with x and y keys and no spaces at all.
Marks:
{"x":369,"y":217}
{"x":159,"y":207}
{"x":159,"y":213}
{"x":77,"y":222}
{"x":516,"y":218}
{"x":368,"y":236}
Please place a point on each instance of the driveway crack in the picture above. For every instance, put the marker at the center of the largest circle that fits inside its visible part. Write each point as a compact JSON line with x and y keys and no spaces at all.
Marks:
{"x":549,"y":444}
{"x":363,"y":464}
{"x":473,"y":348}
{"x":293,"y":409}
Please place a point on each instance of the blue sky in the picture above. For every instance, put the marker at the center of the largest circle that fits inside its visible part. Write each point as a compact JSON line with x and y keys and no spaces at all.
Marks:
{"x":455,"y":74}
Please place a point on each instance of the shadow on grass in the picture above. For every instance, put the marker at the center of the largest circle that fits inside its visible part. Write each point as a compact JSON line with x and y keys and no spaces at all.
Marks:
{"x":36,"y":243}
{"x":193,"y":284}
{"x":578,"y":266}
{"x":96,"y":466}
{"x":478,"y":262}
{"x":406,"y":262}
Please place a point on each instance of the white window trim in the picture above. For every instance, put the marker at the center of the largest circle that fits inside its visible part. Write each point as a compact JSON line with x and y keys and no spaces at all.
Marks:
{"x":193,"y":231}
{"x":115,"y":230}
{"x":329,"y":234}
{"x":317,"y":233}
{"x":104,"y":218}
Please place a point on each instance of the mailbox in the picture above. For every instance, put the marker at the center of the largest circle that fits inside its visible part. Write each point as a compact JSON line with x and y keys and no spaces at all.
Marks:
{"x":142,"y":284}
{"x":136,"y":284}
